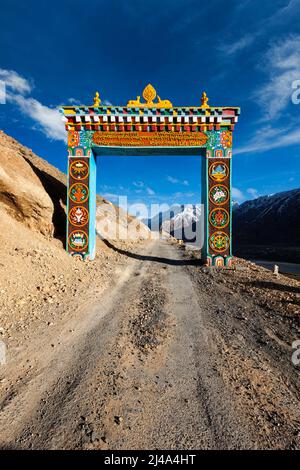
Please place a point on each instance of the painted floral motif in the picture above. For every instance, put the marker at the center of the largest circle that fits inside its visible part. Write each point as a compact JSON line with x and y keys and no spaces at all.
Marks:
{"x":219,"y":241}
{"x":79,"y":170}
{"x":219,"y":217}
{"x":78,"y":216}
{"x":226,"y":139}
{"x":218,"y":171}
{"x":78,"y":240}
{"x":73,"y":138}
{"x":79,"y":192}
{"x":219,"y":194}
{"x":86,"y":138}
{"x":213,"y":140}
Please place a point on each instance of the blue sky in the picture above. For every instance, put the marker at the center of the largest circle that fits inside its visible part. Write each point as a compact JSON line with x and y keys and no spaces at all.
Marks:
{"x":242,"y":53}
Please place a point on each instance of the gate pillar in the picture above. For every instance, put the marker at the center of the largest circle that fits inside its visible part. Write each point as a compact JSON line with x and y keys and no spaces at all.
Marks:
{"x":216,"y":199}
{"x":81,"y":199}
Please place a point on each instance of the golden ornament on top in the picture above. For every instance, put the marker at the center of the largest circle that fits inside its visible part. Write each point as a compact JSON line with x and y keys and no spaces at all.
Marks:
{"x":97,"y":100}
{"x":149,"y":95}
{"x":204,"y":101}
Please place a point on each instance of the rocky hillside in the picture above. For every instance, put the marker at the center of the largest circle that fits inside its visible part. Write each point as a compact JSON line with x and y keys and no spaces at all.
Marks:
{"x":34,"y":193}
{"x":268,"y":227}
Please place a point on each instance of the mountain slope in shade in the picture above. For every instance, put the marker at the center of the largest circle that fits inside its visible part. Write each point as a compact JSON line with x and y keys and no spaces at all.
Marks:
{"x":268,"y":227}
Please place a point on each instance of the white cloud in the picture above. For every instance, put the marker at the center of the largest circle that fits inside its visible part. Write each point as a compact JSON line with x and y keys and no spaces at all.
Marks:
{"x":15,"y":82}
{"x":268,"y":138}
{"x":236,"y":46}
{"x":141,"y":187}
{"x":237,"y":194}
{"x":253,"y":192}
{"x":173,"y":180}
{"x":74,"y":101}
{"x":138,"y":184}
{"x":48,"y":119}
{"x":150,"y":191}
{"x":180,"y":194}
{"x":282,"y":63}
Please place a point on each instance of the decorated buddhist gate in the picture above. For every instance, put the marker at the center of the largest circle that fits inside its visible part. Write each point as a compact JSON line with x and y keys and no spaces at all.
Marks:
{"x":150,"y":127}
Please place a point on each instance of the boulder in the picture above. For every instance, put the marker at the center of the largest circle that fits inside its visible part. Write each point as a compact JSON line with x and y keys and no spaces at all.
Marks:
{"x":22,"y":193}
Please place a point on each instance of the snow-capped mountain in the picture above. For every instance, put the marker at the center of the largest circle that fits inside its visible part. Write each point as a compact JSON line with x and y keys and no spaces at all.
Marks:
{"x":178,"y":215}
{"x":235,"y":205}
{"x":188,"y":216}
{"x":180,"y":221}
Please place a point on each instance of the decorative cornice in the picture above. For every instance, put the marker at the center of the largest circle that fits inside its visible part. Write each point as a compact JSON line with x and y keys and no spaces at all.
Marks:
{"x":150,"y":116}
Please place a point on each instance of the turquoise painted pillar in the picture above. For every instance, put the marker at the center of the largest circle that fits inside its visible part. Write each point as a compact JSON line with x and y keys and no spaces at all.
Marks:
{"x":216,"y":197}
{"x":92,"y":207}
{"x":204,"y":206}
{"x":81,"y":201}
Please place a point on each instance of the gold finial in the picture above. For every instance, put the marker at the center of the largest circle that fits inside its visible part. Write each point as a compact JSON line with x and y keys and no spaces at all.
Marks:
{"x":204,"y":101}
{"x":149,"y":95}
{"x":97,"y":100}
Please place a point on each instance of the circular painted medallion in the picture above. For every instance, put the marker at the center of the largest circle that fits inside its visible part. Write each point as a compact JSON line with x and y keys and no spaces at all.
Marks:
{"x":219,"y":241}
{"x":78,"y":216}
{"x":219,"y":194}
{"x":219,"y":217}
{"x":218,"y":171}
{"x":78,"y":240}
{"x":79,"y":192}
{"x":79,"y":169}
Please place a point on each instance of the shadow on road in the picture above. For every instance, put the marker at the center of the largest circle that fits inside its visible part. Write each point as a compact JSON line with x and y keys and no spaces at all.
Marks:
{"x":156,"y":259}
{"x":274,"y":285}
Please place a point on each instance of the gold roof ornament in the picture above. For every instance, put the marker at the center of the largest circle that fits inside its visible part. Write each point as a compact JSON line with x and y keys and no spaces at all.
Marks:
{"x":149,"y":95}
{"x":204,"y":101}
{"x":97,"y":100}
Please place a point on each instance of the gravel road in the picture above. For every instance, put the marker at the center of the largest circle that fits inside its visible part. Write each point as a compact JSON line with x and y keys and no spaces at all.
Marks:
{"x":172,"y":356}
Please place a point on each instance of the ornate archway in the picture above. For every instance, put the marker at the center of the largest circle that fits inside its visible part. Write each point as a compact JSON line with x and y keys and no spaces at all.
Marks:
{"x":153,"y":126}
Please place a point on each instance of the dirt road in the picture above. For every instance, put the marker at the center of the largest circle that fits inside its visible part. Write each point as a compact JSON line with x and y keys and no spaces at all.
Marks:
{"x":172,"y":356}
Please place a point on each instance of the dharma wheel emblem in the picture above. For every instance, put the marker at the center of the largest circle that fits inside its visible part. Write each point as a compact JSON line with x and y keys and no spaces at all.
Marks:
{"x":219,"y":241}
